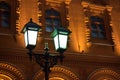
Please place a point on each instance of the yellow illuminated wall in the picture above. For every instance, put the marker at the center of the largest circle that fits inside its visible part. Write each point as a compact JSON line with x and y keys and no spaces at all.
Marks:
{"x":77,"y":26}
{"x":78,"y":40}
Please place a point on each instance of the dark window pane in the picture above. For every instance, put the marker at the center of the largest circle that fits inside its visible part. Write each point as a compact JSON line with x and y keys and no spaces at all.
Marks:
{"x":56,"y":22}
{"x":52,"y":19}
{"x":48,"y":21}
{"x":93,"y":26}
{"x":102,"y":35}
{"x":4,"y":14}
{"x":49,"y":25}
{"x":55,"y":13}
{"x":96,"y":19}
{"x":99,"y":19}
{"x":48,"y":12}
{"x":93,"y":18}
{"x":52,"y":12}
{"x":4,"y":23}
{"x":4,"y":6}
{"x":97,"y":27}
{"x":101,"y":27}
{"x":94,"y":34}
{"x":49,"y":28}
{"x":5,"y":19}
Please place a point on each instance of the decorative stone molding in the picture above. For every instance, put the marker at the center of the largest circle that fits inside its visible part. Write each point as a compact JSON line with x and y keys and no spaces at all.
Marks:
{"x":11,"y":71}
{"x":54,"y":3}
{"x":67,"y":2}
{"x":58,"y":71}
{"x":18,"y":16}
{"x":58,"y":1}
{"x":66,"y":71}
{"x":39,"y":3}
{"x":104,"y":74}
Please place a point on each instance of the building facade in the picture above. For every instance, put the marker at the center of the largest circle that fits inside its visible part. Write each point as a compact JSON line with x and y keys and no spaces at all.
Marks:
{"x":93,"y":48}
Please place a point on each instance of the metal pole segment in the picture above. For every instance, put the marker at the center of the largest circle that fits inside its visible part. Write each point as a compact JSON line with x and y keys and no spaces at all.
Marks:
{"x":46,"y":60}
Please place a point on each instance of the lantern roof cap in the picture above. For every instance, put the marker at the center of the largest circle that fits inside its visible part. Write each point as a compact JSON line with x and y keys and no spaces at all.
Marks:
{"x":60,"y":30}
{"x":31,"y":25}
{"x":63,"y":29}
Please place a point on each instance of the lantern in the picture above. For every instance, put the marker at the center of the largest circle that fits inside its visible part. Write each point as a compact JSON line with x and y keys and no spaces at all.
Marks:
{"x":30,"y":32}
{"x":60,"y":37}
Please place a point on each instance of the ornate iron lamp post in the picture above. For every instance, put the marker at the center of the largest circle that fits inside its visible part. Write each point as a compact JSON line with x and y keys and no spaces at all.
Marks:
{"x":46,"y":60}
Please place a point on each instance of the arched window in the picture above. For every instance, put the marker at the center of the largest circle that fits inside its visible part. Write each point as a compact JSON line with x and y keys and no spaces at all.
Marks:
{"x":4,"y":14}
{"x":97,"y":27}
{"x":53,"y":19}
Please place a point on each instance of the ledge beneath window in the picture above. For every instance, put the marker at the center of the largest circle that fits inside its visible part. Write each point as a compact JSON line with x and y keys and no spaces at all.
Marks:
{"x":97,"y":48}
{"x":103,"y":44}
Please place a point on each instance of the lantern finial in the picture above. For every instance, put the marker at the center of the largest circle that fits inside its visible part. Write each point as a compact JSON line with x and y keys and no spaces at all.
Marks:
{"x":31,"y":20}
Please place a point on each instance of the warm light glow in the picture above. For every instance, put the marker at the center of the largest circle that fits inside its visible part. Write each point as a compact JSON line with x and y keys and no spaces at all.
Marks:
{"x":26,"y":39}
{"x":56,"y":42}
{"x":104,"y":79}
{"x":78,"y":38}
{"x":62,"y":43}
{"x":4,"y":77}
{"x":56,"y":78}
{"x":32,"y":36}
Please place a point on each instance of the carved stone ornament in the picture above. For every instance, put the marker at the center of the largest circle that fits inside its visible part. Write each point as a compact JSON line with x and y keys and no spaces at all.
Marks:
{"x":59,"y":72}
{"x":11,"y":71}
{"x":104,"y":74}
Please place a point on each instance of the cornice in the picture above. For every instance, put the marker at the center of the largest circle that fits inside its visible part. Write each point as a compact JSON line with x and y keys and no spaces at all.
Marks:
{"x":21,"y":55}
{"x":86,"y":57}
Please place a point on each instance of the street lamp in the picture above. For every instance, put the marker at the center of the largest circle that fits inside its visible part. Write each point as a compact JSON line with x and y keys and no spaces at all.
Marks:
{"x":46,"y":60}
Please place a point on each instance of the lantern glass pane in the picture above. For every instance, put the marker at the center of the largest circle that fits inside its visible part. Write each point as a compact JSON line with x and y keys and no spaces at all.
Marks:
{"x":56,"y":42}
{"x":26,"y":38}
{"x":63,"y":41}
{"x":30,"y":36}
